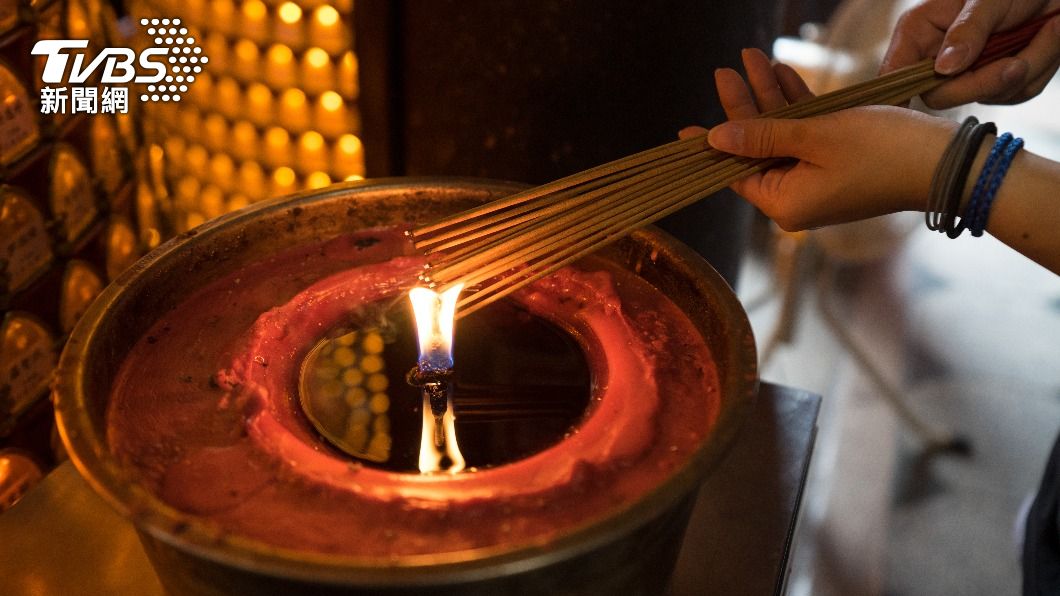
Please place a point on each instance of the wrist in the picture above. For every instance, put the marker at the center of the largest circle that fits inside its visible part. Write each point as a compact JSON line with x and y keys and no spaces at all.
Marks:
{"x":922,"y":150}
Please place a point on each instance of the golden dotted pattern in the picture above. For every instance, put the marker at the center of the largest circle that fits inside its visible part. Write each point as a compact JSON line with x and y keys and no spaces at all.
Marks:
{"x":273,"y":112}
{"x":344,"y":388}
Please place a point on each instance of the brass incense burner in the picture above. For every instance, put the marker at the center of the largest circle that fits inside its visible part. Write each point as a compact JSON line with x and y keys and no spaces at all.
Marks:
{"x":630,"y":551}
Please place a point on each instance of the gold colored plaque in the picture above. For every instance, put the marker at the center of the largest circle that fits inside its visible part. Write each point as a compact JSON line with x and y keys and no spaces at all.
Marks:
{"x":28,"y":354}
{"x":81,"y":285}
{"x":49,"y":26}
{"x":127,"y":131}
{"x":25,"y":249}
{"x":106,"y":155}
{"x":80,"y":23}
{"x":122,"y":247}
{"x":73,"y":201}
{"x":19,"y":131}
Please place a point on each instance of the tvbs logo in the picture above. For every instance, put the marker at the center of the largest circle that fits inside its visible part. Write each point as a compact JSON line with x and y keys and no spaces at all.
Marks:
{"x":166,"y":68}
{"x":119,"y":64}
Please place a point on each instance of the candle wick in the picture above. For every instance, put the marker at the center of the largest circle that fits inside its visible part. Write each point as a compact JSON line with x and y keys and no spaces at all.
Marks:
{"x":439,"y":431}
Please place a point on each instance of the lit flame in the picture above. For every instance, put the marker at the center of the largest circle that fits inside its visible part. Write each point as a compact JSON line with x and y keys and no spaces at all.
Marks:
{"x":434,"y":323}
{"x":430,"y":454}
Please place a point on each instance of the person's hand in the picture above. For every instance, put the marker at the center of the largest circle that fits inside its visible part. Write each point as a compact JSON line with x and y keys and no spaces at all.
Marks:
{"x":851,"y":165}
{"x":955,"y":31}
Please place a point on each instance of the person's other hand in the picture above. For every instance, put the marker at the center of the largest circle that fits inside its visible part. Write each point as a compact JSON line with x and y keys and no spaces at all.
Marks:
{"x":956,"y":30}
{"x":849,"y":165}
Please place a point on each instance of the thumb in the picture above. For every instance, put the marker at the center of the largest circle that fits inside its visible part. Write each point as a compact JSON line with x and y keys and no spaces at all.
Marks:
{"x":966,"y":37}
{"x":758,"y":137}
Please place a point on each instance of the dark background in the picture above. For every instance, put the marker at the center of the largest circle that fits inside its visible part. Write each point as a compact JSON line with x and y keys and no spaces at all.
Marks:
{"x":533,"y":91}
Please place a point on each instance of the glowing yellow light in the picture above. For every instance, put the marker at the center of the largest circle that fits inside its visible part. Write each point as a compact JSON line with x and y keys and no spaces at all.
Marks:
{"x":221,"y":12}
{"x":294,"y":98}
{"x":327,"y":16}
{"x":174,"y":149}
{"x":318,"y":73}
{"x":216,"y":48}
{"x":312,"y":154}
{"x":277,"y":146}
{"x":195,"y":159}
{"x":244,"y":140}
{"x":356,"y":396}
{"x":259,"y":106}
{"x":211,"y":201}
{"x":331,"y":101}
{"x":222,"y":170}
{"x":350,"y":144}
{"x":330,"y":114}
{"x":255,"y":20}
{"x":254,"y":10}
{"x":379,"y":403}
{"x":317,"y":57}
{"x":348,"y":158}
{"x":280,"y":55}
{"x":294,"y":111}
{"x":246,"y":50}
{"x":237,"y":201}
{"x":193,"y":220}
{"x":353,"y":177}
{"x":347,"y":76}
{"x":252,"y":180}
{"x":312,"y":141}
{"x":372,"y":364}
{"x":317,"y":180}
{"x":227,"y":95}
{"x":250,"y":172}
{"x":151,"y":237}
{"x":190,"y":123}
{"x":430,"y":459}
{"x":352,"y":377}
{"x":377,"y":382}
{"x":284,"y":176}
{"x":290,"y":13}
{"x":193,"y":11}
{"x":202,"y":90}
{"x":259,"y":95}
{"x":187,"y":190}
{"x":216,"y":131}
{"x":283,"y":181}
{"x":277,"y":137}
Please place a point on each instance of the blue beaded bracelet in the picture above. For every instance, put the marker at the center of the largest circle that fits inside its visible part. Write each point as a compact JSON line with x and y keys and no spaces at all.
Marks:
{"x":975,"y":201}
{"x":984,"y":199}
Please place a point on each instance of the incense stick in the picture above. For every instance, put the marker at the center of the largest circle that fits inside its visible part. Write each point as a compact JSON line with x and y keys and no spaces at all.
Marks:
{"x":507,"y":244}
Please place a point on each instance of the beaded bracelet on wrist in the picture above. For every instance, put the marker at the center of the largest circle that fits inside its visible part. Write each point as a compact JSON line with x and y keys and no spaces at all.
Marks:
{"x":951,"y":176}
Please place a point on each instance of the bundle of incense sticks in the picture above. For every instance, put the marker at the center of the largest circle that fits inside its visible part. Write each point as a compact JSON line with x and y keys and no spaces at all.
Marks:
{"x":506,"y":244}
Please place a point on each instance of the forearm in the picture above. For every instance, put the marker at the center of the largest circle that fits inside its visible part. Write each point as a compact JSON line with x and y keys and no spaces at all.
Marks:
{"x":1026,"y":211}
